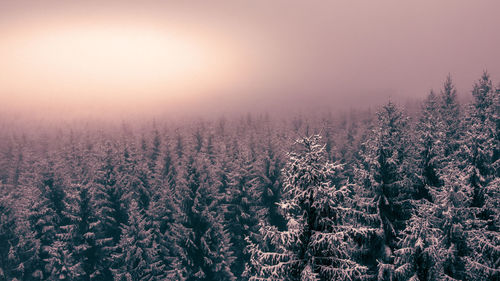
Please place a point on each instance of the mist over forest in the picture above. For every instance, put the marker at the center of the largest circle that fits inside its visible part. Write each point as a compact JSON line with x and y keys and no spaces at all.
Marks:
{"x":390,"y":192}
{"x":232,"y":140}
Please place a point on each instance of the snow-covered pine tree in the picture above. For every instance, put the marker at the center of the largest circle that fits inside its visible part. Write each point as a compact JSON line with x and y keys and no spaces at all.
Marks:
{"x":270,"y":164}
{"x":418,"y":256}
{"x":25,"y":255}
{"x":166,"y":171}
{"x":478,"y":144}
{"x":224,"y":166}
{"x":155,"y":150}
{"x":8,"y":237}
{"x":15,"y":158}
{"x":84,"y":233}
{"x":205,"y":244}
{"x":477,"y":159}
{"x":349,"y":145}
{"x":243,"y":208}
{"x":430,"y":147}
{"x":60,"y":264}
{"x":385,"y":188}
{"x":166,"y":217}
{"x":137,"y":258}
{"x":490,"y":256}
{"x":179,"y":146}
{"x":21,"y":260}
{"x":46,"y":216}
{"x":317,"y":244}
{"x":135,"y":176}
{"x":199,"y":137}
{"x":450,"y":115}
{"x":110,"y":203}
{"x":6,"y":157}
{"x":453,"y":220}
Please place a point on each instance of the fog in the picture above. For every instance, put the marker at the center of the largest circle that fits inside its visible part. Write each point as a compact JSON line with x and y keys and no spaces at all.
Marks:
{"x":127,"y":58}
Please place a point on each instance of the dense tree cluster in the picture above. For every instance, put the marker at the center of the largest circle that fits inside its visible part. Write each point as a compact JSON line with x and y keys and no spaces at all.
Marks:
{"x":358,"y":196}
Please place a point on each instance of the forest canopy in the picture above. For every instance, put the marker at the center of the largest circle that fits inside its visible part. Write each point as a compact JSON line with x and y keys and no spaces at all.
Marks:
{"x":387,"y":195}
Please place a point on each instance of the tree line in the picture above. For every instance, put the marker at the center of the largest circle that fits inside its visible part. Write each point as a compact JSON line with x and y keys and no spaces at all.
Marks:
{"x":358,"y":196}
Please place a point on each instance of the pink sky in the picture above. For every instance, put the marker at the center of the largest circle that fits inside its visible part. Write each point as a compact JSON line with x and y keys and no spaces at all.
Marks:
{"x":90,"y":55}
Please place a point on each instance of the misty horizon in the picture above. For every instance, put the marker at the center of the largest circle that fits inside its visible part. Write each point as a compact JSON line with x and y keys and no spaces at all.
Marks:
{"x":112,"y":59}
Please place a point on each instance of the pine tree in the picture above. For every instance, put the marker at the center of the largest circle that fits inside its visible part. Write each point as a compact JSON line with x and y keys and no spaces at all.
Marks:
{"x":110,"y":203}
{"x":167,"y":230}
{"x":22,"y":261}
{"x":476,"y":158}
{"x":385,"y":188}
{"x":270,"y":165}
{"x":479,"y":143}
{"x":350,"y":146}
{"x":60,"y":264}
{"x":430,"y":146}
{"x":167,"y":168}
{"x":136,"y":177}
{"x":454,"y":217}
{"x":450,"y":115}
{"x":154,"y":152}
{"x":84,"y":233}
{"x":179,"y":146}
{"x":137,"y":258}
{"x":25,"y":255}
{"x":47,"y":216}
{"x":205,"y":244}
{"x":8,"y":237}
{"x":418,"y":256}
{"x":318,"y":243}
{"x":242,"y":209}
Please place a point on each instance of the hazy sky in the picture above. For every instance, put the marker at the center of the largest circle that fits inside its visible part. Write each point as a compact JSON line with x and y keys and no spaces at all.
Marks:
{"x":119,"y":56}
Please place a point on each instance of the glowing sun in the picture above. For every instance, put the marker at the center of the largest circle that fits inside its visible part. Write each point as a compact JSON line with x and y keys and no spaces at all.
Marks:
{"x":111,"y":61}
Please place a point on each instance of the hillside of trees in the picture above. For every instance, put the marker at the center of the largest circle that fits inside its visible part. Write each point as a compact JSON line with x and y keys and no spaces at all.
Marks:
{"x":384,"y":195}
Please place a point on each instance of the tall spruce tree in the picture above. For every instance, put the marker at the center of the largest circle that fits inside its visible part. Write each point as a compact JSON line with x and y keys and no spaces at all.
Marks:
{"x":84,"y":233}
{"x":477,"y":159}
{"x":385,"y":187}
{"x":47,"y":215}
{"x":137,"y":258}
{"x":166,"y":216}
{"x":242,"y":209}
{"x":454,"y":219}
{"x":205,"y":244}
{"x":60,"y":264}
{"x":418,"y":256}
{"x":430,"y":146}
{"x":270,"y":163}
{"x":8,"y":237}
{"x":110,"y":201}
{"x":135,"y":176}
{"x":317,"y":244}
{"x":450,"y":115}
